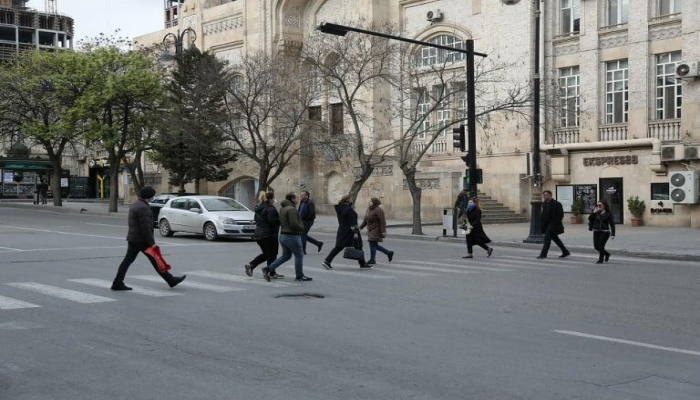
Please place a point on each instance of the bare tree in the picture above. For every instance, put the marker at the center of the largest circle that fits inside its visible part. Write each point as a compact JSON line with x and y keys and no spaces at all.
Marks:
{"x":355,"y":68}
{"x":266,"y":105}
{"x":424,"y":89}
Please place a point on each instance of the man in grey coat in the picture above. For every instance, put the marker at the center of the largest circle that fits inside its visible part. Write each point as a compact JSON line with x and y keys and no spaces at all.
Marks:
{"x":140,"y":238}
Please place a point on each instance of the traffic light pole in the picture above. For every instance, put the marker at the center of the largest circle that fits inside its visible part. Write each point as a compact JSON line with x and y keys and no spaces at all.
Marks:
{"x":471,"y":119}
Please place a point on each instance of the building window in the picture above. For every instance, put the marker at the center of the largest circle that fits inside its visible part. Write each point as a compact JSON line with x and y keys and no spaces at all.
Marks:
{"x":569,"y":97}
{"x":423,"y":107}
{"x":570,"y":16}
{"x":443,"y":110}
{"x":460,"y":93}
{"x":667,"y":7}
{"x":337,"y":119}
{"x":616,"y":92}
{"x":315,"y":113}
{"x":427,"y":56}
{"x":617,"y":12}
{"x":659,"y":191}
{"x":669,"y":91}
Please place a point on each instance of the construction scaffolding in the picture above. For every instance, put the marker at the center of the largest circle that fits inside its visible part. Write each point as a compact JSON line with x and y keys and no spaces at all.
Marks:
{"x":23,"y":28}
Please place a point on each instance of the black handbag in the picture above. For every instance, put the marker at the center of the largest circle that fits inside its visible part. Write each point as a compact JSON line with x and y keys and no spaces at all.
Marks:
{"x":355,"y":252}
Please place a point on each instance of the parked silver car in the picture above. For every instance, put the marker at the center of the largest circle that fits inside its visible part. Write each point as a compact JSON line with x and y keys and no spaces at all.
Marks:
{"x":212,"y":216}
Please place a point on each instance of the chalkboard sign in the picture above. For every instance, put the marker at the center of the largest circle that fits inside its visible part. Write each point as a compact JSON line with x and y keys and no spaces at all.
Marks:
{"x":589,"y":195}
{"x":565,"y":195}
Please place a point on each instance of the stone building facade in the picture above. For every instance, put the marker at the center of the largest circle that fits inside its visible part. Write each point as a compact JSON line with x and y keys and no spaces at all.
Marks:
{"x":580,"y":147}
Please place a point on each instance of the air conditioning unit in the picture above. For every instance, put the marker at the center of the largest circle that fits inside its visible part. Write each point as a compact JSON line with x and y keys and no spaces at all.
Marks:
{"x":688,"y":70}
{"x":434,"y":15}
{"x":672,"y":153}
{"x":685,"y":187}
{"x":692,"y":153}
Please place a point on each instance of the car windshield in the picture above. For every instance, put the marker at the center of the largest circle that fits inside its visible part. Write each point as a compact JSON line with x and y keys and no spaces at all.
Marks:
{"x":223,"y":205}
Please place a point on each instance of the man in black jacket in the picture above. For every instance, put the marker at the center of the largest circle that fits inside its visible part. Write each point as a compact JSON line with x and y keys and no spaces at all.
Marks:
{"x":552,"y":225}
{"x":307,"y":213}
{"x":140,"y":238}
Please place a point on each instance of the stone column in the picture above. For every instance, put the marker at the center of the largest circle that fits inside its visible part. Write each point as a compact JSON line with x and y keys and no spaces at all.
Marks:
{"x":639,"y":69}
{"x":589,"y":70}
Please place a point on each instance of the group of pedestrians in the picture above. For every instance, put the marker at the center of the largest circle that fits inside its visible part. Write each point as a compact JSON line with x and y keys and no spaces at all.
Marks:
{"x":601,"y":222}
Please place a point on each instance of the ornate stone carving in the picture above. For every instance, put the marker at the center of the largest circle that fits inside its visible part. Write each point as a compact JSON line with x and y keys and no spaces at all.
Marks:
{"x":424,"y":184}
{"x":293,"y":18}
{"x":613,"y":41}
{"x":289,"y":47}
{"x":666,"y":33}
{"x":379,"y":170}
{"x":229,"y":24}
{"x":566,"y":50}
{"x":190,"y":21}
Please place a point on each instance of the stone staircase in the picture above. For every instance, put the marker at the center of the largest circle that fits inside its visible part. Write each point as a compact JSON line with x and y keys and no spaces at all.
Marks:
{"x":494,"y":212}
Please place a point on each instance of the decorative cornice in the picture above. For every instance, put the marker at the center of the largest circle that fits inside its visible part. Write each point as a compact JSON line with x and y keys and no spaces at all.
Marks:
{"x":612,"y":41}
{"x":293,"y":18}
{"x":666,"y":32}
{"x":566,"y":50}
{"x":229,"y":24}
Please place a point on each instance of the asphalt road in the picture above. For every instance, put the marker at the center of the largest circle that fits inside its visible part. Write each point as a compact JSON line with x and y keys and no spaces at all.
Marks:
{"x":430,"y":325}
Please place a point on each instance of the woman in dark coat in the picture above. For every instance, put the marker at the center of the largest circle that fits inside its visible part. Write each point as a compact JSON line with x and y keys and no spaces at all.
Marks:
{"x":602,"y":223}
{"x":348,"y":232}
{"x":476,"y":236}
{"x":267,"y":228}
{"x":376,"y":230}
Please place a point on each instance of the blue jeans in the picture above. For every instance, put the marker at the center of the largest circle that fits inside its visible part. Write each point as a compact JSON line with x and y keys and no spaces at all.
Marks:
{"x":373,"y":247}
{"x":291,"y":244}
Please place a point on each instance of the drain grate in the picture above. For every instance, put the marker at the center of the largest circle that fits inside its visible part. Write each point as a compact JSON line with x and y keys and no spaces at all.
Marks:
{"x":300,"y":296}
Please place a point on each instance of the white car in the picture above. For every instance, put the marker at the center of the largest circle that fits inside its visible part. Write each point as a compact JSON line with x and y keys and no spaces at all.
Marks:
{"x":212,"y":216}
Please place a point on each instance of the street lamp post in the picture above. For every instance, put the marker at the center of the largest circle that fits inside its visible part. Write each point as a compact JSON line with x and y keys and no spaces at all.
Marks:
{"x":342,"y":30}
{"x":179,"y":39}
{"x":536,"y":202}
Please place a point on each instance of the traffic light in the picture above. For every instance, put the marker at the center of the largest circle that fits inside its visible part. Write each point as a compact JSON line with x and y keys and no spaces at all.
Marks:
{"x":459,"y":138}
{"x":478,"y":178}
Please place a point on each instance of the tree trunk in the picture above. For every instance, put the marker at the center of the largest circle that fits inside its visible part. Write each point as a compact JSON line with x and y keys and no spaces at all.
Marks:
{"x":182,"y":188}
{"x":416,"y":197}
{"x":359,"y":183}
{"x":196,"y":186}
{"x":262,"y":180}
{"x":56,"y":181}
{"x":113,"y":186}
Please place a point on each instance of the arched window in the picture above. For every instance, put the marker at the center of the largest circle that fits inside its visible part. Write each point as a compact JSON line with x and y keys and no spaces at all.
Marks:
{"x":427,"y":56}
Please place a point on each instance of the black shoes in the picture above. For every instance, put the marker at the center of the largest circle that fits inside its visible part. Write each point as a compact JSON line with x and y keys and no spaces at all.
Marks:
{"x":489,"y":252}
{"x":249,"y":270}
{"x":370,"y":262}
{"x":541,"y":257}
{"x":469,"y":256}
{"x":303,"y":279}
{"x":366,"y":266}
{"x":599,"y":262}
{"x":565,"y":255}
{"x":327,"y":265}
{"x":320,"y":246}
{"x":607,"y":257}
{"x":176,"y":280}
{"x":120,"y":286}
{"x":266,"y":273}
{"x":276,"y":276}
{"x":391,"y":256}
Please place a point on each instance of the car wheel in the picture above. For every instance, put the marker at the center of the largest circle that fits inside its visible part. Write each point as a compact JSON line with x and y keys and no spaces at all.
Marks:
{"x":210,"y":232}
{"x":164,"y":228}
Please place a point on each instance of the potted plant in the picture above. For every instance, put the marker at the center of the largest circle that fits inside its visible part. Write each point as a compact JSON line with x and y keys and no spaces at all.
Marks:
{"x":576,"y":210}
{"x":636,"y":207}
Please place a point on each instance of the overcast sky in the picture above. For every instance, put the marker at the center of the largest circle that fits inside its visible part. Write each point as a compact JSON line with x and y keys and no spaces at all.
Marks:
{"x":133,"y":17}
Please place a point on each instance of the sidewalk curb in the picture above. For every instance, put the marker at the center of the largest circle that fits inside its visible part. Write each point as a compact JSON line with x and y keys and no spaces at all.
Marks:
{"x":60,"y":210}
{"x":534,"y":246}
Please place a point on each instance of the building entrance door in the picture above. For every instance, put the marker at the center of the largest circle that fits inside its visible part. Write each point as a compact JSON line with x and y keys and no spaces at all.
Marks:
{"x":611,"y":191}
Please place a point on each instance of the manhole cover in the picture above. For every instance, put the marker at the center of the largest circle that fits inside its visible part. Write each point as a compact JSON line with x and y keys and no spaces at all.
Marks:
{"x":300,"y":296}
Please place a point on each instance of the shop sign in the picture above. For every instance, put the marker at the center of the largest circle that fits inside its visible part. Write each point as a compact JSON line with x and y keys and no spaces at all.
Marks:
{"x":610,"y":160}
{"x":25,"y":166}
{"x":101,"y":163}
{"x":611,"y":190}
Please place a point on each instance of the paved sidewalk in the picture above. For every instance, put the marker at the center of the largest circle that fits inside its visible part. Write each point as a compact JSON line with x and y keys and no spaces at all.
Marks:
{"x":647,"y":241}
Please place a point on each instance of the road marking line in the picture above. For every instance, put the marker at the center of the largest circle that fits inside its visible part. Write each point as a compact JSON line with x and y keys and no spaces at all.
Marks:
{"x":10,"y":248}
{"x":7,"y":303}
{"x":461,"y":266}
{"x":630,"y":342}
{"x":60,"y":293}
{"x":365,"y":274}
{"x":113,"y":226}
{"x":435,"y":269}
{"x":237,"y":278}
{"x":73,"y":233}
{"x":504,"y":263}
{"x":189,"y":284}
{"x":388,"y":269}
{"x":549,"y":262}
{"x":142,"y":290}
{"x":18,"y":326}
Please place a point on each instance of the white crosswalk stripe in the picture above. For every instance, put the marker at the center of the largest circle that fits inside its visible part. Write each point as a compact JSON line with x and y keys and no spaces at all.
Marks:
{"x":190,"y":284}
{"x":60,"y":293}
{"x":436,"y":269}
{"x":237,"y":278}
{"x":387,"y":268}
{"x":421,"y":263}
{"x":7,"y":303}
{"x":142,"y":290}
{"x":551,"y":263}
{"x":362,"y":274}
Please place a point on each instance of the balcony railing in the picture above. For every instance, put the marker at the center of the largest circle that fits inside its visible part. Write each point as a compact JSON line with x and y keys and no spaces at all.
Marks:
{"x":438,"y":147}
{"x":665,"y":130}
{"x":609,"y":133}
{"x":565,"y":136}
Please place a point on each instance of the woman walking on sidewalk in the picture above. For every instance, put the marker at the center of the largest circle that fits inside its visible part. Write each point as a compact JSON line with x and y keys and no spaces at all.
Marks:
{"x":475,"y":230}
{"x":267,"y":227}
{"x":347,"y":231}
{"x":376,"y":230}
{"x":602,"y":223}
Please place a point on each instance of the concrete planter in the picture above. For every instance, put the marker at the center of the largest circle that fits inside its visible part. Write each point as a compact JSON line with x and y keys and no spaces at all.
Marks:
{"x":637,"y":221}
{"x":576,"y":219}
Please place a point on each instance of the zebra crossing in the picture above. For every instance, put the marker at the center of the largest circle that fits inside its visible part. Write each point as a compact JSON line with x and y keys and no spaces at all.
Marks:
{"x":228,"y":283}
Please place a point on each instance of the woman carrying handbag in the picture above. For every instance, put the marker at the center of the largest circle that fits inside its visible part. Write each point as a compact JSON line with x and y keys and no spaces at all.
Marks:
{"x":475,"y":230}
{"x":602,"y":223}
{"x":348,"y":234}
{"x":375,"y":221}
